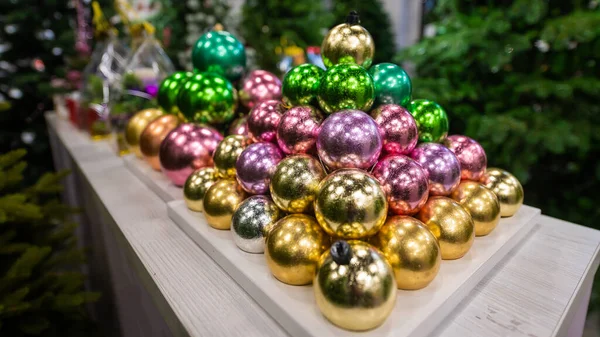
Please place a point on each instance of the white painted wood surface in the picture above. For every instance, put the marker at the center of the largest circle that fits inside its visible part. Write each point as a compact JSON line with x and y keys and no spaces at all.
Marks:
{"x":155,"y":180}
{"x":536,"y":291}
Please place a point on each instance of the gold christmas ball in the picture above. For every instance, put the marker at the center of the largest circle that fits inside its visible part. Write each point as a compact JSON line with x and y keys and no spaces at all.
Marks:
{"x":350,"y":204}
{"x":411,"y":249}
{"x":153,"y":135}
{"x":451,"y":224}
{"x":354,"y":286}
{"x":227,"y":153}
{"x":135,"y":127}
{"x":293,"y":248}
{"x":196,"y":185}
{"x":295,"y":183}
{"x":507,"y":188}
{"x":348,"y":43}
{"x":481,"y":203}
{"x":220,"y":202}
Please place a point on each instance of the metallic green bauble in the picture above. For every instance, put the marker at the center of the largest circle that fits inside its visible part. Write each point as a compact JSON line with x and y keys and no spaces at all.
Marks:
{"x":301,"y":85}
{"x":207,"y":98}
{"x":169,"y":89}
{"x":431,"y":119}
{"x":220,"y":52}
{"x":346,"y":86}
{"x":392,"y":84}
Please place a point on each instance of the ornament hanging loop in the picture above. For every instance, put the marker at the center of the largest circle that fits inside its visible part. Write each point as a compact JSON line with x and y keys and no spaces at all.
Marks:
{"x":353,"y":18}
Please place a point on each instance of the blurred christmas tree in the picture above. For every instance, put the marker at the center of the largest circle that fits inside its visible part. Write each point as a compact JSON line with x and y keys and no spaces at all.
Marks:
{"x":375,"y":19}
{"x":271,"y":25}
{"x":35,"y":38}
{"x":523,"y":77}
{"x":41,"y":291}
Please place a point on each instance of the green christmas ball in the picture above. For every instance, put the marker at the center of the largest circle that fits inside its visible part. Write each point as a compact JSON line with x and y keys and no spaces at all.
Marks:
{"x":432,"y":120}
{"x":346,"y":86}
{"x":301,"y":85}
{"x":169,"y":89}
{"x":220,"y":52}
{"x":392,"y":84}
{"x":207,"y":98}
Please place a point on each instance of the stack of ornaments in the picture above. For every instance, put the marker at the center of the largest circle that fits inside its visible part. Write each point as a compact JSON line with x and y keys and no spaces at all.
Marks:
{"x":345,"y":182}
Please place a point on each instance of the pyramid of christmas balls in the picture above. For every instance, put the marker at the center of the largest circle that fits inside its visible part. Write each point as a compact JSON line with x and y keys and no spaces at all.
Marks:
{"x":344,"y":181}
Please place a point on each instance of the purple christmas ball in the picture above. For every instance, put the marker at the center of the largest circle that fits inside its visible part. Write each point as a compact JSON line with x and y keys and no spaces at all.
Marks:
{"x":255,"y":166}
{"x":349,"y":139}
{"x":442,"y":167}
{"x":397,"y":127}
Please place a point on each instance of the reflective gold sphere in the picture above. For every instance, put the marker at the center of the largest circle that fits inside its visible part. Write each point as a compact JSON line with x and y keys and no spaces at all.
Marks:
{"x":507,"y":188}
{"x":350,"y":204}
{"x":451,"y":224}
{"x":153,"y":135}
{"x":481,"y":203}
{"x":196,"y":185}
{"x":348,"y":43}
{"x":293,"y":248}
{"x":227,"y":153}
{"x":354,"y":286}
{"x":220,"y":202}
{"x":135,"y":127}
{"x":411,"y":249}
{"x":295,"y":183}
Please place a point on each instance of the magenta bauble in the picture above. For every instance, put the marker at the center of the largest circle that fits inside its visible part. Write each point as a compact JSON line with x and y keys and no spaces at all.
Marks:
{"x":442,"y":166}
{"x":263,"y":121}
{"x":239,"y":126}
{"x":255,"y":166}
{"x":398,"y":128}
{"x":298,"y":129}
{"x":470,"y":154}
{"x":258,"y":86}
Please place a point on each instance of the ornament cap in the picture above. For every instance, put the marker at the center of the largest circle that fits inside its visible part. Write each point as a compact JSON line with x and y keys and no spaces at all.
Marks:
{"x":341,"y":252}
{"x":353,"y":18}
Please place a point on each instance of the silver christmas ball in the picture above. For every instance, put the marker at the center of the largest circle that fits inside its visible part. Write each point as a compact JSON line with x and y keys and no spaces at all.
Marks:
{"x":252,"y":221}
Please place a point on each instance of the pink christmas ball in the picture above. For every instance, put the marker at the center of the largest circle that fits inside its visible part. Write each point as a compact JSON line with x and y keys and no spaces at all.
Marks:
{"x":470,"y":154}
{"x":258,"y":86}
{"x":441,"y":165}
{"x":264,"y":119}
{"x":186,"y":148}
{"x":397,"y":127}
{"x":239,"y":126}
{"x":298,"y":129}
{"x":255,"y":166}
{"x":404,"y":182}
{"x":349,"y":139}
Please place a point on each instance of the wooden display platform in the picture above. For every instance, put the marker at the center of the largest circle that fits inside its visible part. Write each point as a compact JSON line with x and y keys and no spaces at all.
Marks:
{"x":155,"y":180}
{"x":416,"y":313}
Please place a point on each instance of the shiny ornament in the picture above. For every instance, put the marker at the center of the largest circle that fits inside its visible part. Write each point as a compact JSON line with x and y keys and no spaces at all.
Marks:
{"x":392,"y":84}
{"x":470,"y":155}
{"x":397,"y":127}
{"x":263,"y":121}
{"x":169,"y":90}
{"x":239,"y":126}
{"x":442,"y":166}
{"x":293,"y":248}
{"x":255,"y":166}
{"x":258,"y":86}
{"x":346,"y":86}
{"x":227,"y":153}
{"x":412,"y":251}
{"x":354,"y":286}
{"x":207,"y":98}
{"x":187,"y":148}
{"x":153,"y":135}
{"x":349,"y":139}
{"x":301,"y":85}
{"x":135,"y":127}
{"x":221,"y":52}
{"x":404,"y":182}
{"x":196,"y":185}
{"x":451,"y":224}
{"x":252,"y":221}
{"x":481,"y":203}
{"x":431,"y":119}
{"x":220,"y":202}
{"x":295,"y":183}
{"x":507,"y":188}
{"x":298,"y":129}
{"x":350,"y":204}
{"x":348,"y":42}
